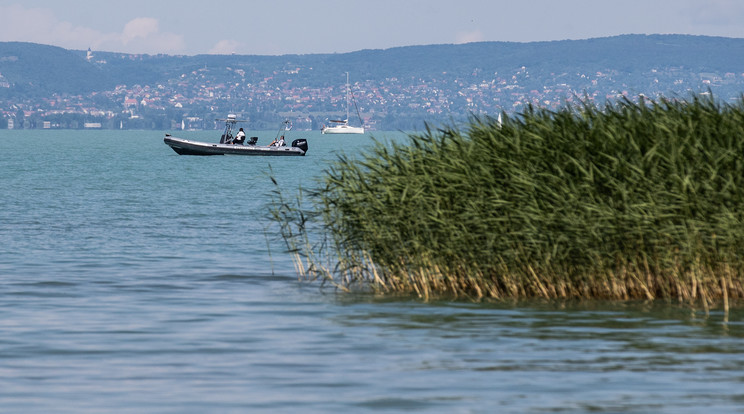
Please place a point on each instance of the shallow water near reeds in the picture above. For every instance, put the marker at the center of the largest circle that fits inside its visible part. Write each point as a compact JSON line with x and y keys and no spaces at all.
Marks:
{"x":136,"y":280}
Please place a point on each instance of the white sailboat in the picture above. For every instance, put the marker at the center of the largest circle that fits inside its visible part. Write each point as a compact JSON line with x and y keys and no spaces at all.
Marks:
{"x":342,"y":126}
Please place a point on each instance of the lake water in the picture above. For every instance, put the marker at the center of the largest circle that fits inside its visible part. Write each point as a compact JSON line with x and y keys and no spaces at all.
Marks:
{"x":135,"y":280}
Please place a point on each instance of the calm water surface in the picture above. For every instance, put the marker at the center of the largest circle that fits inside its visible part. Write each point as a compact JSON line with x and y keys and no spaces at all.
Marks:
{"x":135,"y":280}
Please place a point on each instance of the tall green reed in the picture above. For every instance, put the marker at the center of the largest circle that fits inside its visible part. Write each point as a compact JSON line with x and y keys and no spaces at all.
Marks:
{"x":628,"y":200}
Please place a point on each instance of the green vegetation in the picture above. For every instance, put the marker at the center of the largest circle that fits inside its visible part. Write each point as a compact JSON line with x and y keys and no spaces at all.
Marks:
{"x":627,"y":201}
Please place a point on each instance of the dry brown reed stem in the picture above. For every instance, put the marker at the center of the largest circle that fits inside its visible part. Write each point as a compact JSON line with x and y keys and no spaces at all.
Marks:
{"x":703,"y":286}
{"x":725,"y":294}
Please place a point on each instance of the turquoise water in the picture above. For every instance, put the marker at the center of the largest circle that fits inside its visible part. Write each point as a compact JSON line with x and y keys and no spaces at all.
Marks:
{"x":135,"y":280}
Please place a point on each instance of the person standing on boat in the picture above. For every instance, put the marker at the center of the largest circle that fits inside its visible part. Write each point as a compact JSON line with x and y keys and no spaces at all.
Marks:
{"x":239,"y":137}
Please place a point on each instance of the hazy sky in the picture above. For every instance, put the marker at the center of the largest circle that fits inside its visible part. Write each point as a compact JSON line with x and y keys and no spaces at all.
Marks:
{"x":274,"y":27}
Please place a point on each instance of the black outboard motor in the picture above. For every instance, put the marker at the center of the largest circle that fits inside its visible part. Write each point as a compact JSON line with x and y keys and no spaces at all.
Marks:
{"x":300,"y":143}
{"x":252,"y":140}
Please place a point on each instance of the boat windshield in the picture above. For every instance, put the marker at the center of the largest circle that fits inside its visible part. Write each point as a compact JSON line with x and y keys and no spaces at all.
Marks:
{"x":230,"y":122}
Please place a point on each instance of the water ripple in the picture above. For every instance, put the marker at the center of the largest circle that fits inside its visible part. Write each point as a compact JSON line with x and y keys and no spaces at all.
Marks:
{"x":137,"y":280}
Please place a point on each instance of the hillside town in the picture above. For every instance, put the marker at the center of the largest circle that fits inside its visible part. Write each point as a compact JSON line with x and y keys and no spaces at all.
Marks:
{"x":192,"y":100}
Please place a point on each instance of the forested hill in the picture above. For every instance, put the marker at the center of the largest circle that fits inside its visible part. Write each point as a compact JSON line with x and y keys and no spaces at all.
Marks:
{"x":41,"y":70}
{"x":398,"y":88}
{"x":627,"y":53}
{"x":29,"y":69}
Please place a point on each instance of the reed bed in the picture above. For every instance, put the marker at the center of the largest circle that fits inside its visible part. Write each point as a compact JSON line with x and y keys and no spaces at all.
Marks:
{"x":631,"y":200}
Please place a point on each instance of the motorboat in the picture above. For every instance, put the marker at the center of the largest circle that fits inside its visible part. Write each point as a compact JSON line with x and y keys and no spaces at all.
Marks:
{"x":341,"y":126}
{"x":236,"y":145}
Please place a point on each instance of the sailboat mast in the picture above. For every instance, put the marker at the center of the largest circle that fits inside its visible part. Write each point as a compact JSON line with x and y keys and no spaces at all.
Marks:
{"x":348,"y":89}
